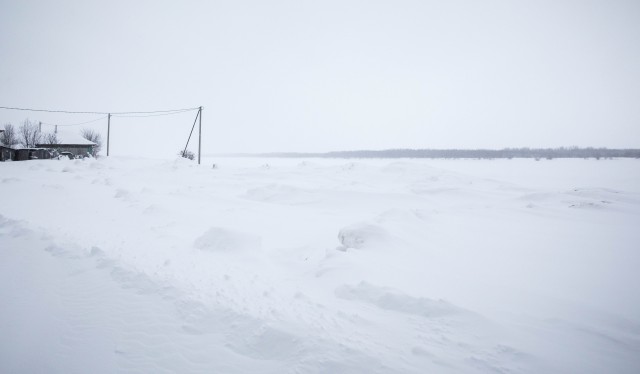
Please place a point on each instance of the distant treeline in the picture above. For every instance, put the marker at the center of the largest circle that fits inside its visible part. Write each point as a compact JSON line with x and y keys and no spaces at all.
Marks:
{"x":537,"y":153}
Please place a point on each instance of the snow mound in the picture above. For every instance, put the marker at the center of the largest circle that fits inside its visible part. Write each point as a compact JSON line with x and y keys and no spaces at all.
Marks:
{"x":281,"y":194}
{"x":587,"y":204}
{"x":402,"y":216}
{"x":396,"y":167}
{"x":398,"y":302}
{"x":411,"y":169}
{"x":97,"y":165}
{"x":351,"y":166}
{"x":267,"y":343}
{"x":217,"y":239}
{"x":122,"y":194}
{"x":362,"y":235}
{"x":307,"y":164}
{"x":581,"y":198}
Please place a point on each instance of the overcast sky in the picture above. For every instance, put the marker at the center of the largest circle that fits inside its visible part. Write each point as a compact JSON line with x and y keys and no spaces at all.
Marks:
{"x":330,"y":75}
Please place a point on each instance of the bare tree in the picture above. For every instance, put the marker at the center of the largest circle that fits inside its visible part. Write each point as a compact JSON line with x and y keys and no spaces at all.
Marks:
{"x":50,"y":138}
{"x":8,"y":136}
{"x":93,"y":136}
{"x":29,"y":134}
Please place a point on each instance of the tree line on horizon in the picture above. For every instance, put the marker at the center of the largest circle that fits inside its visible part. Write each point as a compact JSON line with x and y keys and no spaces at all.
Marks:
{"x":508,"y":153}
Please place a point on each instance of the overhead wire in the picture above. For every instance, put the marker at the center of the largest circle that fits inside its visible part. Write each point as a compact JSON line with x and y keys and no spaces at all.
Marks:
{"x":104,"y":113}
{"x":138,"y":114}
{"x":75,"y":124}
{"x":152,"y":115}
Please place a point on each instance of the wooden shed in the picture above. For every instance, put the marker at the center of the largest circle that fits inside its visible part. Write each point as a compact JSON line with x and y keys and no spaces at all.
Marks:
{"x":7,"y":153}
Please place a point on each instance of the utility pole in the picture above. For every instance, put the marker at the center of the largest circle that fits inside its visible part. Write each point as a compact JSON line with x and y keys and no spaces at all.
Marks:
{"x":108,"y":131}
{"x":39,"y":126}
{"x":56,"y":131}
{"x":199,"y":135}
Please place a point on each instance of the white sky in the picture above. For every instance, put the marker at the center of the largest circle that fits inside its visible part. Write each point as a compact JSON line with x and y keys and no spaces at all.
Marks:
{"x":330,"y":75}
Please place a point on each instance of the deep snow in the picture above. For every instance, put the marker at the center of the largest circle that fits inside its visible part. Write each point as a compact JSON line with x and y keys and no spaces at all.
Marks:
{"x":288,"y":265}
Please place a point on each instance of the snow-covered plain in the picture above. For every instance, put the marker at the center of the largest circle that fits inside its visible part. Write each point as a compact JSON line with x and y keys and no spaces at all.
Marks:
{"x":320,"y":266}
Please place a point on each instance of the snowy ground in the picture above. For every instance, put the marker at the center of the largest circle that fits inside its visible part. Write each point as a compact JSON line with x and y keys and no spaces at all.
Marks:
{"x":320,"y":266}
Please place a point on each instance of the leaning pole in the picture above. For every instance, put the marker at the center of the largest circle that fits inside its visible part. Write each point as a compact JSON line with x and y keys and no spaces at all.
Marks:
{"x":200,"y":136}
{"x":108,"y":131}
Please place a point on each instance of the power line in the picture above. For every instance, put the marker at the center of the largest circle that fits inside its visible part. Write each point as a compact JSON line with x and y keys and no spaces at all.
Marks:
{"x":152,"y":115}
{"x":75,"y":124}
{"x":103,"y":113}
{"x":121,"y":116}
{"x":48,"y":111}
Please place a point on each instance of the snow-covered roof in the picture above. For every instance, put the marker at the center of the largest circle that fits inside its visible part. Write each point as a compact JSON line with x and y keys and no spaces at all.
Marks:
{"x":72,"y":137}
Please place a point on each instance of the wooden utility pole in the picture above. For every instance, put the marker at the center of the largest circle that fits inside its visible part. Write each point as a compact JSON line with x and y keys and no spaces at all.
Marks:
{"x":108,"y":131}
{"x":200,"y":136}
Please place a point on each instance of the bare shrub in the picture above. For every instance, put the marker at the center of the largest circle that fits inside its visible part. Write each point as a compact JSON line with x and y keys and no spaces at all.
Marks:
{"x":50,"y":138}
{"x":187,"y":154}
{"x":93,"y":136}
{"x":29,"y":134}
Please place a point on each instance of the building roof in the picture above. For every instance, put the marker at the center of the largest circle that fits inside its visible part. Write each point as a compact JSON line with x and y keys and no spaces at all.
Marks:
{"x":71,"y":137}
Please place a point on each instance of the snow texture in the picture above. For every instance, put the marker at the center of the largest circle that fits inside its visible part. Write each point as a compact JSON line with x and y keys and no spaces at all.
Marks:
{"x":319,"y":266}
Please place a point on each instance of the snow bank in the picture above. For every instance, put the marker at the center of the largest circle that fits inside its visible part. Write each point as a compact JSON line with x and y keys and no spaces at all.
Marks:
{"x":217,"y":239}
{"x":396,"y":301}
{"x":137,"y":265}
{"x":362,"y":235}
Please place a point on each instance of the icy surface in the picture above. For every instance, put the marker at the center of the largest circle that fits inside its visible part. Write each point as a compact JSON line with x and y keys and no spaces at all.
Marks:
{"x":320,"y":266}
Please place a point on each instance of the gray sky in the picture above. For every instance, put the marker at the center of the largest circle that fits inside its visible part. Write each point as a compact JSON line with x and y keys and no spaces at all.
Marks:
{"x":330,"y":75}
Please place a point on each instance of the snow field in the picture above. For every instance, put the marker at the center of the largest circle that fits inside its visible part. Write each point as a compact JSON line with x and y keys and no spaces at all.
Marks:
{"x":284,"y":265}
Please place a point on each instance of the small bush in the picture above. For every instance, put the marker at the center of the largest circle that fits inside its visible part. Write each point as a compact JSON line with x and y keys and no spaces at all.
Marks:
{"x":187,"y":154}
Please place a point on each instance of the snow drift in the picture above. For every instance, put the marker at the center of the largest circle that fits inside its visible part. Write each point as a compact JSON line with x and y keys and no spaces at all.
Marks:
{"x":412,"y":266}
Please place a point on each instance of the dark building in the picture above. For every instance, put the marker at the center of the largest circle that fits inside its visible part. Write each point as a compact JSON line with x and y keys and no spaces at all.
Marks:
{"x":25,"y":154}
{"x":7,"y":153}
